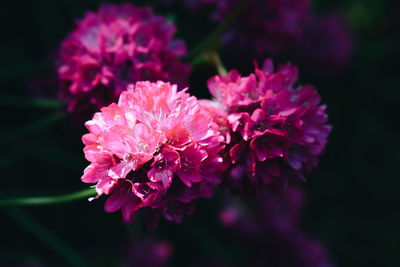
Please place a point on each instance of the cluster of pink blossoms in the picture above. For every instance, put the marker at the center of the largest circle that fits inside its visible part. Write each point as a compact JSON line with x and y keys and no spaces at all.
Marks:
{"x":118,"y":45}
{"x":274,"y":132}
{"x":161,"y":149}
{"x":155,"y":149}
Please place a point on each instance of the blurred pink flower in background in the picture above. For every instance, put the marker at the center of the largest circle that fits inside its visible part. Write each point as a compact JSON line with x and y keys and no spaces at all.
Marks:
{"x":269,"y":226}
{"x":327,"y":45}
{"x":148,"y":251}
{"x":155,"y":149}
{"x":115,"y":46}
{"x":263,"y":27}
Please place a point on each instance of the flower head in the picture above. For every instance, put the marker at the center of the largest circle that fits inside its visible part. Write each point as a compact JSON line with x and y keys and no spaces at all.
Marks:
{"x":155,"y":149}
{"x":117,"y":45}
{"x":276,"y":131}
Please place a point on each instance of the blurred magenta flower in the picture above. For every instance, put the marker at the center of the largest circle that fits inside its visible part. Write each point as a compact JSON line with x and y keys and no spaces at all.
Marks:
{"x":327,"y":45}
{"x":149,"y":251}
{"x":156,"y":148}
{"x":292,"y":248}
{"x":276,"y":131}
{"x":263,"y":28}
{"x":270,"y":229}
{"x":279,"y":210}
{"x":117,"y":45}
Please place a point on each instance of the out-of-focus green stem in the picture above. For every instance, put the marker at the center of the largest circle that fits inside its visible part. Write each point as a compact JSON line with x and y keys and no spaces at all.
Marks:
{"x":49,"y":200}
{"x":53,"y":242}
{"x":21,"y":102}
{"x":214,"y":59}
{"x":212,"y":40}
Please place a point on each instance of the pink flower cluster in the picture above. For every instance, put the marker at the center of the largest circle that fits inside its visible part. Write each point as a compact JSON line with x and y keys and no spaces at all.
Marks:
{"x":161,"y":149}
{"x":113,"y":47}
{"x":156,"y":149}
{"x":275,"y":132}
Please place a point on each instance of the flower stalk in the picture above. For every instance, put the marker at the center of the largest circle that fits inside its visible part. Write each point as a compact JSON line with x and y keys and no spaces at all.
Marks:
{"x":48,"y":200}
{"x":212,"y":40}
{"x":215,"y":60}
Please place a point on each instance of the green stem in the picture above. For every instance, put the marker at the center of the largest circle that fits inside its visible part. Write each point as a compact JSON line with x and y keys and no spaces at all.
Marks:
{"x":211,"y":41}
{"x":30,"y":225}
{"x":21,"y":102}
{"x":214,"y":59}
{"x":49,"y":200}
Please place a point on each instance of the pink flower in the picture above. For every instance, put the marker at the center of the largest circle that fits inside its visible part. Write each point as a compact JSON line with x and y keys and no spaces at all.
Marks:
{"x":276,"y":131}
{"x":156,"y":149}
{"x":117,"y":45}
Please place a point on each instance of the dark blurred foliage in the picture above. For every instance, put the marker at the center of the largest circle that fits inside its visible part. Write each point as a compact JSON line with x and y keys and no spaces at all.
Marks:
{"x":350,"y":201}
